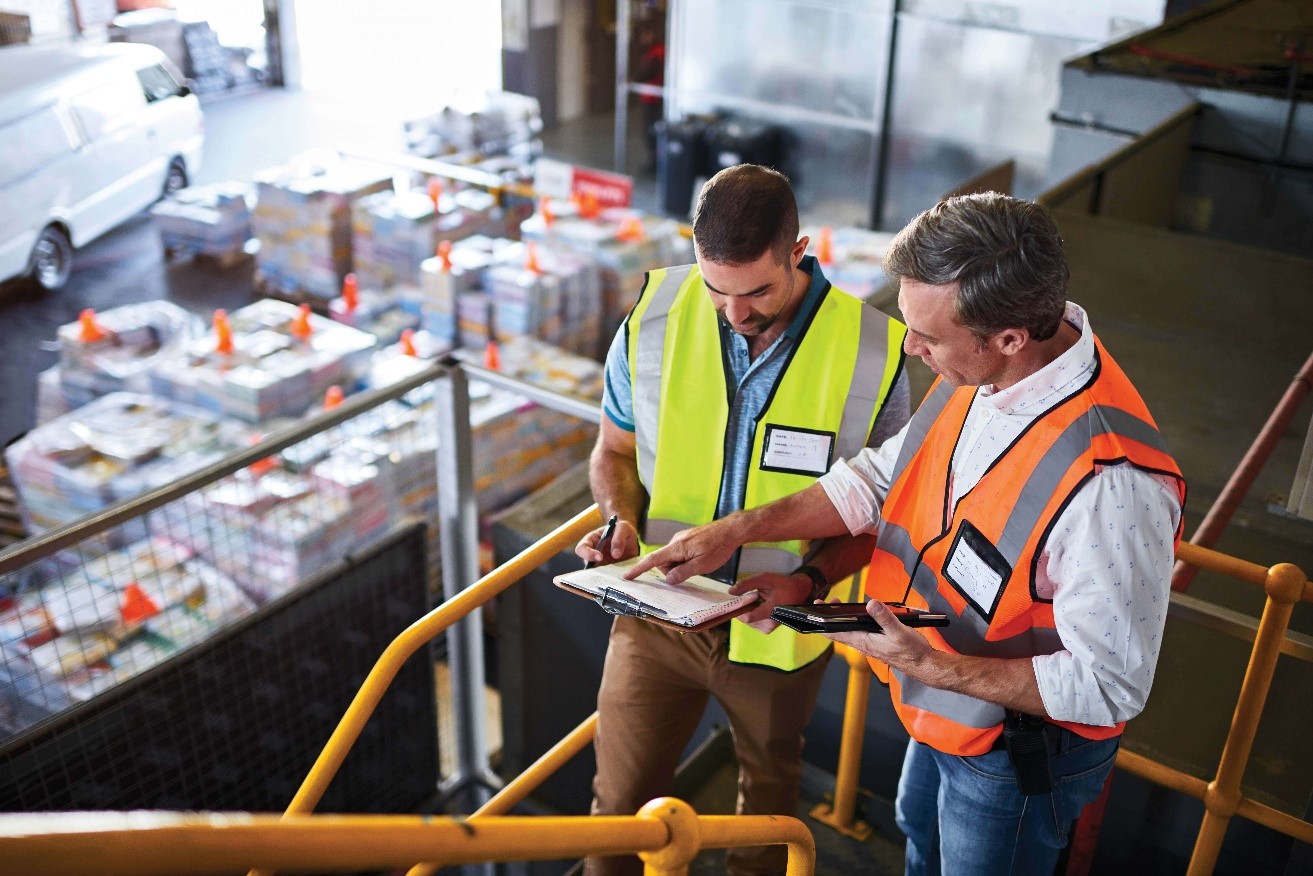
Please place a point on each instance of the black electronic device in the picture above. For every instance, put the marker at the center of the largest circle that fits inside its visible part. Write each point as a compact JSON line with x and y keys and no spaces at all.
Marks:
{"x":844,"y":617}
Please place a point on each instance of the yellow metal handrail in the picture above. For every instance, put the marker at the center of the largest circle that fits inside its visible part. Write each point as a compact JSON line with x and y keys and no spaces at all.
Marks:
{"x":694,"y":832}
{"x":666,"y":833}
{"x":1284,"y":584}
{"x":416,"y":636}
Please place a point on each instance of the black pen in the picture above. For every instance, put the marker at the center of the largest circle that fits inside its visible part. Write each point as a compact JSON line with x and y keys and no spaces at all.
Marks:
{"x":604,"y":543}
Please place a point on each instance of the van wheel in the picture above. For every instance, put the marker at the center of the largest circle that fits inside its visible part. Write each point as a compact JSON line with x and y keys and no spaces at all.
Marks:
{"x":52,"y":260}
{"x":176,"y":179}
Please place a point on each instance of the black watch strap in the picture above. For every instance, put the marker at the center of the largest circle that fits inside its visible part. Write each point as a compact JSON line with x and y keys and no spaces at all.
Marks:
{"x":820,"y":586}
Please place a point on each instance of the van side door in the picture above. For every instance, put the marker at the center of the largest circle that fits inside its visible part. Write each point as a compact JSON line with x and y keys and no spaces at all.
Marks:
{"x":120,"y":171}
{"x":174,"y":117}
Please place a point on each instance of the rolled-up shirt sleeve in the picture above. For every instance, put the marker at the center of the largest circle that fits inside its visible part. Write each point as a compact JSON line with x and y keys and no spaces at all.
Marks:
{"x":617,"y":393}
{"x":857,"y":487}
{"x":1107,"y":568}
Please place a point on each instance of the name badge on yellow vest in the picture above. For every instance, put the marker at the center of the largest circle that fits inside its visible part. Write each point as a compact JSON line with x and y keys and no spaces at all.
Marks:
{"x":795,"y":450}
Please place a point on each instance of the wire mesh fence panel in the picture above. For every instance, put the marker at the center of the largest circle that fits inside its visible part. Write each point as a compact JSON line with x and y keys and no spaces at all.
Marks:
{"x":236,"y":721}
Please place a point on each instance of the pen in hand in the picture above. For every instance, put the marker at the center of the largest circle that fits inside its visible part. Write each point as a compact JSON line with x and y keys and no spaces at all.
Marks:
{"x":604,"y":543}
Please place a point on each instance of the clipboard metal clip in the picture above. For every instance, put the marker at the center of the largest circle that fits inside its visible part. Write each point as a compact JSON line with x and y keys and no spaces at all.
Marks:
{"x":618,"y":603}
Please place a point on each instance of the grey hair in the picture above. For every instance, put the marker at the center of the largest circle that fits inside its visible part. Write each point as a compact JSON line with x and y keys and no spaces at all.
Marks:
{"x":1004,"y":253}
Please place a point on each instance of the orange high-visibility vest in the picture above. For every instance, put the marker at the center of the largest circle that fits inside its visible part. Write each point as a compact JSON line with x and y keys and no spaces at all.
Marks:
{"x":996,"y":532}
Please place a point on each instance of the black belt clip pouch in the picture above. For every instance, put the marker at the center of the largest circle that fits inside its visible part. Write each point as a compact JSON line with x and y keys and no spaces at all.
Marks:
{"x":1028,"y":750}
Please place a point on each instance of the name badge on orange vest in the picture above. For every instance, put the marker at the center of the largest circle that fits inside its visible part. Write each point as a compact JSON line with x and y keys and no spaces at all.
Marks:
{"x":976,"y":569}
{"x":794,"y":450}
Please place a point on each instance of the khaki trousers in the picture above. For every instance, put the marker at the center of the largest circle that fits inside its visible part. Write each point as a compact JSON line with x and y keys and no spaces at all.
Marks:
{"x":655,"y":685}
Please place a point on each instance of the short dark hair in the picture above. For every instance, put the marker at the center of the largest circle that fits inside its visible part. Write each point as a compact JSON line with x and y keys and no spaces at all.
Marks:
{"x":742,"y":212}
{"x":1004,"y":253}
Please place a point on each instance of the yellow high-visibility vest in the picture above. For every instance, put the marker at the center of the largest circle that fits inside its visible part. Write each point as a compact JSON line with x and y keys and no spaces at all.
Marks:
{"x":822,"y":408}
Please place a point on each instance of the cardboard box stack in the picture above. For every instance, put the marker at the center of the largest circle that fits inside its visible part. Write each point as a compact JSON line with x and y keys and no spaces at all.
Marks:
{"x":212,"y":220}
{"x":111,"y":351}
{"x":92,"y":625}
{"x":302,"y":219}
{"x":621,"y":243}
{"x":110,"y":449}
{"x":269,"y":359}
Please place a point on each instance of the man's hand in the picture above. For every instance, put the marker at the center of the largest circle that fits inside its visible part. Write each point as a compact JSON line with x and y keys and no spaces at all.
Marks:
{"x":775,"y":589}
{"x":624,"y":544}
{"x":695,"y":551}
{"x":899,"y":645}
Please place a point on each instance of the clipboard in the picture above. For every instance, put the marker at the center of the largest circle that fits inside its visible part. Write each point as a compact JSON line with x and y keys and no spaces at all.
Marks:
{"x":616,"y":602}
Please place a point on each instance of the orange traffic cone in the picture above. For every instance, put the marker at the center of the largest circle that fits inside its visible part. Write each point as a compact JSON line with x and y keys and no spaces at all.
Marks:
{"x":631,"y":230}
{"x":223,"y":333}
{"x":444,"y":253}
{"x":333,"y":397}
{"x":137,"y":606}
{"x":589,"y":207}
{"x":492,"y":356}
{"x":261,"y":467}
{"x":89,"y":329}
{"x":407,"y":343}
{"x":531,"y":258}
{"x":545,"y":208}
{"x":301,"y":328}
{"x":350,"y":293}
{"x":825,"y":246}
{"x":435,"y":191}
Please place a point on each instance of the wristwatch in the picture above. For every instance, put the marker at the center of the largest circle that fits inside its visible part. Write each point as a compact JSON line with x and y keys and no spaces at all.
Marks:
{"x":820,"y":586}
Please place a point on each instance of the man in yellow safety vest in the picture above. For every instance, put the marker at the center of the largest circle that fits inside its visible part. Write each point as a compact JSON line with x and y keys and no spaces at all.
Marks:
{"x":733,"y":382}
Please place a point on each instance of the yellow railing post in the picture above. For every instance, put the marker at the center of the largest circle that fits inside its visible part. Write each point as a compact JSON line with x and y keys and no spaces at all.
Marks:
{"x":685,"y":837}
{"x":840,"y":814}
{"x":1285,"y":585}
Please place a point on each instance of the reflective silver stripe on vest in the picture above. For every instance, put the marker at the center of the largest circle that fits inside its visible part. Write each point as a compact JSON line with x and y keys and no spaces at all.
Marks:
{"x":931,"y":407}
{"x":872,"y":356}
{"x":957,"y":707}
{"x":657,"y":532}
{"x":755,"y":560}
{"x":1058,"y":460}
{"x":651,"y":352}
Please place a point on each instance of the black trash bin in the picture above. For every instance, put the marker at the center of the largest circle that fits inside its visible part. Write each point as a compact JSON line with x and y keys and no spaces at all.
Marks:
{"x":743,"y":141}
{"x":681,"y":152}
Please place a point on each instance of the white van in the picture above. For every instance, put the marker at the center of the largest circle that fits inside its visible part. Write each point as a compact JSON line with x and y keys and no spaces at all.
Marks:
{"x":89,"y":136}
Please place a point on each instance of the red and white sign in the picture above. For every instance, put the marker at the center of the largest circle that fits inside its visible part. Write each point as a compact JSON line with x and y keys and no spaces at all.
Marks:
{"x":556,"y":179}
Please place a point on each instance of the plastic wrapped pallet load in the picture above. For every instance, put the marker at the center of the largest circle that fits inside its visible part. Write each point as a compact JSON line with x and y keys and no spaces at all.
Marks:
{"x":212,"y":220}
{"x":302,"y":219}
{"x":393,"y":233}
{"x":622,"y":243}
{"x":282,"y":359}
{"x":111,"y":351}
{"x":110,"y":449}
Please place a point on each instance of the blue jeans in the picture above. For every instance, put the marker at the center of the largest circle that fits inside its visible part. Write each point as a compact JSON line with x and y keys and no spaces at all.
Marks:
{"x":964,"y":815}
